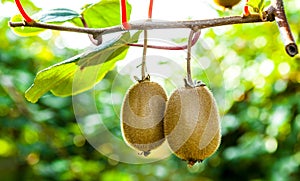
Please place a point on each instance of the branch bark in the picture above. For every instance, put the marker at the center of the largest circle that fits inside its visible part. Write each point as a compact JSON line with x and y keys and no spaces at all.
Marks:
{"x":284,"y":28}
{"x":207,"y":23}
{"x":274,"y":12}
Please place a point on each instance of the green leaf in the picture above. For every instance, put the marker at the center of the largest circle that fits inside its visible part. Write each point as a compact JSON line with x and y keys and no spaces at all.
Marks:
{"x":24,"y":31}
{"x":81,"y":72}
{"x":256,"y":5}
{"x":57,"y":15}
{"x":104,"y":14}
{"x":52,"y":16}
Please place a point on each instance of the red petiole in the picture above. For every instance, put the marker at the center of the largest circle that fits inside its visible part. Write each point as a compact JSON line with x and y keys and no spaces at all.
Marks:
{"x":246,"y":11}
{"x":22,"y":11}
{"x":150,"y":9}
{"x":124,"y":15}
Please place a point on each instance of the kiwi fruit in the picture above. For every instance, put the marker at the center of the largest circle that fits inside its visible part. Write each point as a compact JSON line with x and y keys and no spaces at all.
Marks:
{"x":227,"y":3}
{"x":142,"y":116}
{"x":192,"y":123}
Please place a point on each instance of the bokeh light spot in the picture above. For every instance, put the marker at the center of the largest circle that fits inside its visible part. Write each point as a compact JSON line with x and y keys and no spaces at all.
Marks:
{"x":33,"y":158}
{"x":259,"y":82}
{"x":79,"y":140}
{"x":272,"y":130}
{"x":271,"y":144}
{"x":280,"y":85}
{"x":266,"y":67}
{"x":31,"y":136}
{"x":253,"y":112}
{"x":5,"y":148}
{"x":284,"y":68}
{"x":260,"y":42}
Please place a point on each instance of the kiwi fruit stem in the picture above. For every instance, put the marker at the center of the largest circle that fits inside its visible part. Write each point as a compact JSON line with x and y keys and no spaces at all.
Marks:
{"x":189,"y":81}
{"x":188,"y":58}
{"x":143,"y":68}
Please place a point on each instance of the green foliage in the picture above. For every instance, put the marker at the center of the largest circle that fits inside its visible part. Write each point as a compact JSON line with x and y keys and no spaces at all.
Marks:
{"x":102,"y":14}
{"x":81,"y":72}
{"x":258,"y":5}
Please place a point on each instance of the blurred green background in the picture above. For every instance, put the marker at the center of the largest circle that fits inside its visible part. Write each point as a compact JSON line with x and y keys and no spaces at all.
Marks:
{"x":260,"y":88}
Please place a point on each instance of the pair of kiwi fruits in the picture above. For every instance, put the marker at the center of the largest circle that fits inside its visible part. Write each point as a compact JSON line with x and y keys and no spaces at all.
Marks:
{"x":189,"y":120}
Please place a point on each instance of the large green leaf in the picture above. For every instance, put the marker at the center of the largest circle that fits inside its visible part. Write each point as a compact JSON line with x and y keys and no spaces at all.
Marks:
{"x":81,"y":72}
{"x":104,"y":14}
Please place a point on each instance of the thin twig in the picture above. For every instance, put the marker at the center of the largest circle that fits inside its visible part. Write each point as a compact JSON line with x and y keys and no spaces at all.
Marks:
{"x":284,"y":28}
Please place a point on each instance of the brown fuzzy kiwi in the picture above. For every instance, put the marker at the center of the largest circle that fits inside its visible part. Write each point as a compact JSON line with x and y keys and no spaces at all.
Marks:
{"x":192,"y":124}
{"x":142,"y":116}
{"x":227,"y":3}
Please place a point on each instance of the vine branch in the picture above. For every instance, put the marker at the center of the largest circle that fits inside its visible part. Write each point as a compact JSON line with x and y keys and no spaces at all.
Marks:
{"x":284,"y":28}
{"x":274,"y":12}
{"x":207,"y":23}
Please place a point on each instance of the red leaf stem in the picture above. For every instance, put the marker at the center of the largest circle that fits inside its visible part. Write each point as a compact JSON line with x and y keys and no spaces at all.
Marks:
{"x":246,"y":11}
{"x":124,"y":15}
{"x":150,"y":9}
{"x":22,"y":11}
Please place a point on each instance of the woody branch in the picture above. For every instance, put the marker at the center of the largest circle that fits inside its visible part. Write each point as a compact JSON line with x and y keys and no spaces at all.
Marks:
{"x":274,"y":12}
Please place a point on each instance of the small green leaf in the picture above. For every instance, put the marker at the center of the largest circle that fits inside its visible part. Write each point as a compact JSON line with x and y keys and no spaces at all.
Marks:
{"x":104,"y":14}
{"x":58,"y":15}
{"x":24,"y":31}
{"x":81,"y":72}
{"x":256,"y":5}
{"x":52,"y":16}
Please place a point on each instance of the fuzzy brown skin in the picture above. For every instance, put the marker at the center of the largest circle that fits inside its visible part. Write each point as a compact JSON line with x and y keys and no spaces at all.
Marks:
{"x":142,"y":116}
{"x":192,"y":124}
{"x":227,"y":3}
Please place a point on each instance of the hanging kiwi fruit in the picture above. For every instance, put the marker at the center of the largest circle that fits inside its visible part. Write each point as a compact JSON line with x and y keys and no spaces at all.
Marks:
{"x":142,"y":116}
{"x":143,"y":112}
{"x":192,"y":123}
